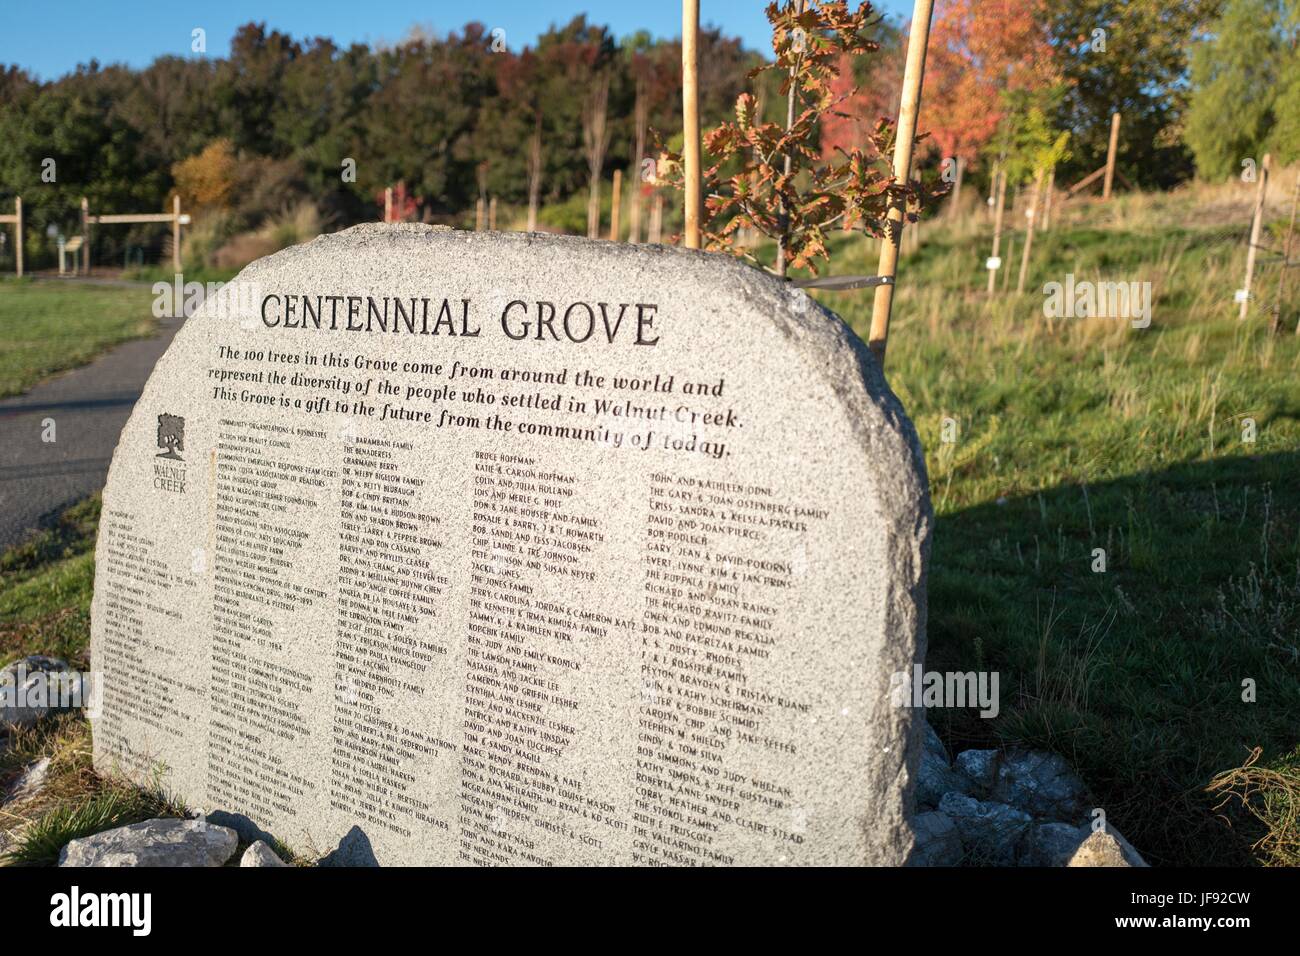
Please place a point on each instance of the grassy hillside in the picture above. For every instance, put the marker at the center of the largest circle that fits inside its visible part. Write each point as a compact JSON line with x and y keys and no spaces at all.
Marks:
{"x":1078,"y":434}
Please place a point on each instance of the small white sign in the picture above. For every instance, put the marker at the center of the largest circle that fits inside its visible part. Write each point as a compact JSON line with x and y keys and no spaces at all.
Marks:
{"x":994,"y":262}
{"x":1241,"y":295}
{"x":185,"y":219}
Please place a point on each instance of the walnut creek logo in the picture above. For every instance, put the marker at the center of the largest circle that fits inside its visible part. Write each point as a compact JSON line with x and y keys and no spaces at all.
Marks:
{"x":169,"y":475}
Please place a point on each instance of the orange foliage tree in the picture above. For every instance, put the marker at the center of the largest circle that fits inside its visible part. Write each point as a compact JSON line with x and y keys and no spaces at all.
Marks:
{"x":978,"y":50}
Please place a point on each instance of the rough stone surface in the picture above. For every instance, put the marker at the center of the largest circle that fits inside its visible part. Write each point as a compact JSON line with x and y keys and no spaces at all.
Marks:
{"x":1106,"y":848}
{"x":937,"y":841}
{"x":980,"y":767}
{"x":1051,"y":844}
{"x":934,"y":778}
{"x":1041,"y":784}
{"x":259,"y":854}
{"x":160,"y":842}
{"x":29,"y":689}
{"x":990,"y":832}
{"x":30,"y":783}
{"x":694,"y":561}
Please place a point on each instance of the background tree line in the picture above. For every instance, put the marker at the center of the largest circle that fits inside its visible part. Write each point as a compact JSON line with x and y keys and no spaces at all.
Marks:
{"x":1201,"y":84}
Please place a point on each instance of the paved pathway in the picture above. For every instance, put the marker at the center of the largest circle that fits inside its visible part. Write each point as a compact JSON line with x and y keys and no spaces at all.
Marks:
{"x":89,"y":405}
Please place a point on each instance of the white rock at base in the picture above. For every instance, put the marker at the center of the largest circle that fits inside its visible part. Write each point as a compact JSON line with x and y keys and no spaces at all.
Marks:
{"x":158,"y":842}
{"x":259,"y":854}
{"x":30,"y":783}
{"x":1106,"y":848}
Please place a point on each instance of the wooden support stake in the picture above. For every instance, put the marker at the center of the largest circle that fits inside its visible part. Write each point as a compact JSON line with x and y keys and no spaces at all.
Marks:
{"x":909,"y":108}
{"x":492,"y":214}
{"x":479,"y":215}
{"x":1256,"y":226}
{"x":85,"y":236}
{"x":1111,"y":150}
{"x":998,"y":206}
{"x":1029,"y":232}
{"x":617,"y":200}
{"x":17,"y":234}
{"x":388,"y":204}
{"x":1047,"y":199}
{"x":176,"y":233}
{"x":691,"y":120}
{"x":656,"y":219}
{"x":1283,"y":279}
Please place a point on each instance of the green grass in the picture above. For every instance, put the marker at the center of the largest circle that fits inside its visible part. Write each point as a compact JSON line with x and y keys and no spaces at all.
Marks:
{"x":1077,"y":434}
{"x":47,"y":327}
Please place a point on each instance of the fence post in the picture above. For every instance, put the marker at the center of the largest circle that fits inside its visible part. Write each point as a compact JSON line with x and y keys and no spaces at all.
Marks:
{"x":85,"y":236}
{"x":176,"y":232}
{"x":18,"y":237}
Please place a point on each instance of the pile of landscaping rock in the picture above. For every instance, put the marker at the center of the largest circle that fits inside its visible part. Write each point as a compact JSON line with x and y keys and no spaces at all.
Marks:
{"x":1008,"y":808}
{"x":166,"y":842}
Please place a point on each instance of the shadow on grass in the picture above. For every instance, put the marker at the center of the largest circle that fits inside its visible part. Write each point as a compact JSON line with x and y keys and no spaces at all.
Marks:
{"x":1152,"y":675}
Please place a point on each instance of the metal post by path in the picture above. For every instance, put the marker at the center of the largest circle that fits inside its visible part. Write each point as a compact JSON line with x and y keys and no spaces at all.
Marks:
{"x":1111,"y":150}
{"x":17,"y":234}
{"x":691,"y":120}
{"x":85,"y":235}
{"x":994,"y":264}
{"x":909,"y":108}
{"x":617,"y":200}
{"x":176,"y":233}
{"x":1256,"y":226}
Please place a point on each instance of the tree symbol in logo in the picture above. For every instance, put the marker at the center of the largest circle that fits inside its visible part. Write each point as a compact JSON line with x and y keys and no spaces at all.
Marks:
{"x":171,"y":436}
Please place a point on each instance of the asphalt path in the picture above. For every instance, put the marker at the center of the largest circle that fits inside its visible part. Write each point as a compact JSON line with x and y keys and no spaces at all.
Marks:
{"x":89,"y":407}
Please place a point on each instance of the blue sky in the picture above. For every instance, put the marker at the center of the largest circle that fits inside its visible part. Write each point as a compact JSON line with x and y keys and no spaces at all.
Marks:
{"x":50,"y":37}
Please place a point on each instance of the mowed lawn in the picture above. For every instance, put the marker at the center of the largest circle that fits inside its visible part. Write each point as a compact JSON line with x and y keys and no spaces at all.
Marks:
{"x":47,"y":327}
{"x":1174,"y":450}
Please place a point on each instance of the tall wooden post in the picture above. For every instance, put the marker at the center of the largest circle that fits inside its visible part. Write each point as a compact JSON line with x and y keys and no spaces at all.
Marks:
{"x":85,"y":236}
{"x":691,"y":119}
{"x":1047,"y":199}
{"x":176,"y":233}
{"x":1029,"y":231}
{"x":492,"y":214}
{"x":388,"y":204}
{"x":1111,"y":150}
{"x":1287,"y":264}
{"x":17,"y":234}
{"x":909,"y":108}
{"x":617,"y":200}
{"x":1256,"y":226}
{"x":997,"y":226}
{"x":479,"y":214}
